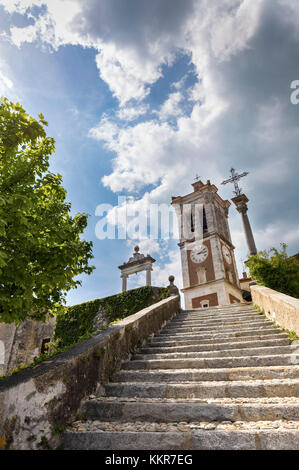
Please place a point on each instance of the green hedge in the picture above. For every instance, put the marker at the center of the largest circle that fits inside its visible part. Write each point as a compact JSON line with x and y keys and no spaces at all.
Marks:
{"x":76,"y":323}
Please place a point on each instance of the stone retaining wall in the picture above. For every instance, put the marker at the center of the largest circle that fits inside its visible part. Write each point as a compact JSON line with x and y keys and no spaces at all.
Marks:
{"x":36,"y":403}
{"x":23,"y":343}
{"x":281,"y":308}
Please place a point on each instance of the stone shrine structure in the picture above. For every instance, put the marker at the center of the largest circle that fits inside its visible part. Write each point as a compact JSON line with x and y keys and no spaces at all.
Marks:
{"x":138,"y":262}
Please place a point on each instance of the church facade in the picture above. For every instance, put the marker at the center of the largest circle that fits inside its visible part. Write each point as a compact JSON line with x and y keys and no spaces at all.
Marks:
{"x":210,"y":276}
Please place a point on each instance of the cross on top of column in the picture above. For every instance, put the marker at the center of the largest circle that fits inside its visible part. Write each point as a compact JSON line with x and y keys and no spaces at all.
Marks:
{"x":234,"y":179}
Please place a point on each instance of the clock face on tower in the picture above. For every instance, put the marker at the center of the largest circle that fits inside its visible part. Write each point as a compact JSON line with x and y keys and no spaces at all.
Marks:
{"x":199,"y":253}
{"x":226,"y":254}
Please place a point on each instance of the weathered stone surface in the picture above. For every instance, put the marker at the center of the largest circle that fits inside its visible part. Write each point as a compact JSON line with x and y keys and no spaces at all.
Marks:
{"x":216,"y":346}
{"x":281,"y":308}
{"x":100,"y":320}
{"x":35,"y":401}
{"x":214,"y":363}
{"x":194,"y":375}
{"x":23,"y":343}
{"x":193,"y":440}
{"x":175,"y":411}
{"x":258,"y":351}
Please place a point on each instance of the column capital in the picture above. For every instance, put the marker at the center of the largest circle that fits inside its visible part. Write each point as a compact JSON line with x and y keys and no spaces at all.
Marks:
{"x":241,"y":203}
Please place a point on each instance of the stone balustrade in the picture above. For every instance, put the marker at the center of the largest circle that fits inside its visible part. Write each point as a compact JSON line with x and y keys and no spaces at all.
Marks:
{"x":281,"y":308}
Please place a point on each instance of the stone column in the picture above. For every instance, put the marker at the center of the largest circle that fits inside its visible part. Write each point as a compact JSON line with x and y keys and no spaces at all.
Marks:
{"x":124,"y":282}
{"x":148,"y":277}
{"x":241,"y":205}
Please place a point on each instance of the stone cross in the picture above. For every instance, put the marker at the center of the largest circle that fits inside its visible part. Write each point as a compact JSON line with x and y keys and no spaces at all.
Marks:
{"x":234,"y":179}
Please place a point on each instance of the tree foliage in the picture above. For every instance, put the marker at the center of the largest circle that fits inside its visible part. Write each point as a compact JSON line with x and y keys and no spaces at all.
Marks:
{"x":41,"y":251}
{"x":275,"y":269}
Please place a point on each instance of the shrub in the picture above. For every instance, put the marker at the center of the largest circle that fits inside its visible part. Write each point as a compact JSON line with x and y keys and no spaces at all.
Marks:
{"x":275,"y":269}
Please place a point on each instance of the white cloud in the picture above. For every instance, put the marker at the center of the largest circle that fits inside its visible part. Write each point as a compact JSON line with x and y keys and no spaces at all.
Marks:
{"x":5,"y":83}
{"x":171,"y":107}
{"x":131,"y":113}
{"x":105,"y":130}
{"x":171,"y":268}
{"x":241,"y":113}
{"x":134,"y":39}
{"x":20,"y":6}
{"x":123,"y":74}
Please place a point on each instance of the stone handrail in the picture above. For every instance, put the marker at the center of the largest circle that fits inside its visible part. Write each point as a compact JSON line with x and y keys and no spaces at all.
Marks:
{"x":281,"y":308}
{"x":35,"y":402}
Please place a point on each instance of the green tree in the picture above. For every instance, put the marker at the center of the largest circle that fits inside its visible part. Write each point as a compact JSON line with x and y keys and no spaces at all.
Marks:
{"x":41,"y":251}
{"x":275,"y":269}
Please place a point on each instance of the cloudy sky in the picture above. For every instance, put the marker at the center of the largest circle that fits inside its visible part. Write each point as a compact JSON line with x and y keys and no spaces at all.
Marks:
{"x":143,"y":95}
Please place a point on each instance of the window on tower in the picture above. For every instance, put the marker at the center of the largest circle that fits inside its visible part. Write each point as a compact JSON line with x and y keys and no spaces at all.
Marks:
{"x":192,"y":223}
{"x":205,"y":225}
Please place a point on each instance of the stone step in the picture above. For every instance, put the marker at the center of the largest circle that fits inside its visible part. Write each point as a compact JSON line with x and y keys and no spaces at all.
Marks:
{"x":229,"y":327}
{"x":199,"y":375}
{"x":171,"y":410}
{"x":215,"y":315}
{"x":254,"y":388}
{"x":256,"y":351}
{"x":221,"y":333}
{"x":214,"y":363}
{"x":95,"y":436}
{"x":216,"y":323}
{"x":151,"y":349}
{"x":157,"y":342}
{"x":210,"y":314}
{"x":211,"y":322}
{"x":215,"y":310}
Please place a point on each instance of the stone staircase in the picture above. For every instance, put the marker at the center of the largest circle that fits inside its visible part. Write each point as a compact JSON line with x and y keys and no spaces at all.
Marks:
{"x":218,"y":378}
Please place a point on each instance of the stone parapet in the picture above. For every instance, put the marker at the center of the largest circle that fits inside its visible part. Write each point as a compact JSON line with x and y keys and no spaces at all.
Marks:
{"x":281,"y":308}
{"x":36,"y":402}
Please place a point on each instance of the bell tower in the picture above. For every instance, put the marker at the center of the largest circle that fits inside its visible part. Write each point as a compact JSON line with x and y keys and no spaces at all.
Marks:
{"x":210,"y":276}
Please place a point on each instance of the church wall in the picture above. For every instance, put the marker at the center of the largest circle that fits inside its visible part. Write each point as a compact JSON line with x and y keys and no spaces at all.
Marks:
{"x":203,"y":291}
{"x":185,"y":270}
{"x":233,"y":299}
{"x":229,"y":267}
{"x":211,"y":298}
{"x":218,"y":266}
{"x":233,"y":291}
